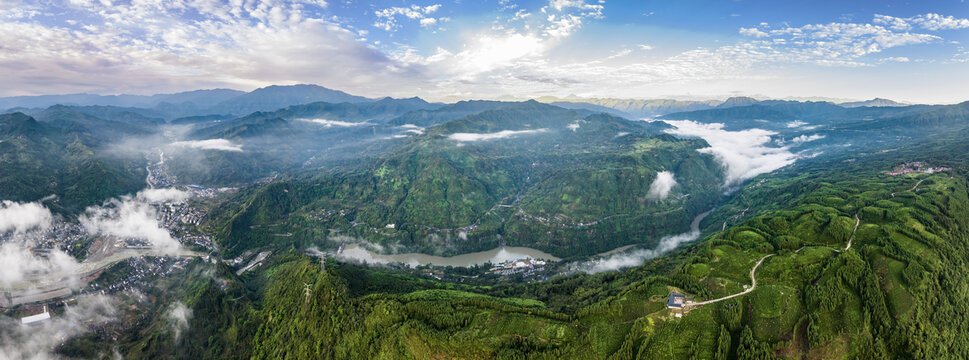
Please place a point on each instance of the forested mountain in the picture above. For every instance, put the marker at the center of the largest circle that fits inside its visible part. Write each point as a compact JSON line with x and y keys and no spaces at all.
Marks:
{"x":856,"y":248}
{"x":39,"y":159}
{"x":274,"y":97}
{"x":528,"y":174}
{"x":850,"y":262}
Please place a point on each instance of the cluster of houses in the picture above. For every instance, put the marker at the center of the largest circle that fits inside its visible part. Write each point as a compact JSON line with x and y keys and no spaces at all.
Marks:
{"x":914,"y":167}
{"x":515,"y":266}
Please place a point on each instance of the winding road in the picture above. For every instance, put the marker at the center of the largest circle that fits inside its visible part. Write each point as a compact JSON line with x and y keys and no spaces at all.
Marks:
{"x":753,"y":285}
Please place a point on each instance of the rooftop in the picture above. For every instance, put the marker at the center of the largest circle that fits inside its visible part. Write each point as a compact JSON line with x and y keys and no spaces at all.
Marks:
{"x":676,"y":301}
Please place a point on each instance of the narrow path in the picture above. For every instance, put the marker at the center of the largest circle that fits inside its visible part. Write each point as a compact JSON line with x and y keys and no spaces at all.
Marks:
{"x":857,"y":222}
{"x":916,"y":185}
{"x":753,"y":285}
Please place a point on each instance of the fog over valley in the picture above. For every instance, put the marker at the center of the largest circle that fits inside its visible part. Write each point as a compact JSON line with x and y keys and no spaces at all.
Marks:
{"x":548,"y":179}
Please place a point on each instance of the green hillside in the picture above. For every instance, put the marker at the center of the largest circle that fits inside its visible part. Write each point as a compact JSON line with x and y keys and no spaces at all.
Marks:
{"x":567,"y":191}
{"x":894,"y":293}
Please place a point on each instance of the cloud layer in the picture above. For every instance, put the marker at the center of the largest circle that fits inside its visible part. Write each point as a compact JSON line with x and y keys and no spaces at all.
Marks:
{"x":744,"y":154}
{"x":336,"y":123}
{"x":210,"y":144}
{"x":504,"y":134}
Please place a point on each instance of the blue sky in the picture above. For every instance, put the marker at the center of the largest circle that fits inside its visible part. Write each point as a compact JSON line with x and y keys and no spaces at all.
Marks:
{"x":915,"y":51}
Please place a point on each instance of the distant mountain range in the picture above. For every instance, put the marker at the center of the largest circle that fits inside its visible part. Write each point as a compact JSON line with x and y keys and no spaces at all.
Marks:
{"x":228,"y":102}
{"x":195,"y":103}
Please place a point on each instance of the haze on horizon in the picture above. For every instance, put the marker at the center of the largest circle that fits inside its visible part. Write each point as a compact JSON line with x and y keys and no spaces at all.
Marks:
{"x":446,"y":50}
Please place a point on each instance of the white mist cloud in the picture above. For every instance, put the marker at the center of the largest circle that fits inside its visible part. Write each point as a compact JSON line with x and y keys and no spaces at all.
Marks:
{"x":466,"y":137}
{"x":210,"y":144}
{"x":130,"y":217}
{"x":17,"y":263}
{"x":744,"y":154}
{"x":336,"y":123}
{"x":164,"y":195}
{"x":639,"y":256}
{"x":23,"y":217}
{"x":661,"y":186}
{"x":801,"y":139}
{"x":360,"y":255}
{"x":38,"y":342}
{"x":178,"y":316}
{"x":796,"y":124}
{"x":573,"y":126}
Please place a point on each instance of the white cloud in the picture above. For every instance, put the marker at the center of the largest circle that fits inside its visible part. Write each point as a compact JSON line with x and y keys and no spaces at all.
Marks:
{"x":744,"y":154}
{"x":801,"y":139}
{"x":645,"y":47}
{"x":660,"y":188}
{"x":620,"y":54}
{"x":156,"y":196}
{"x":637,"y":257}
{"x":336,"y":123}
{"x":930,"y":21}
{"x":466,"y":137}
{"x":387,"y":18}
{"x":210,"y":144}
{"x":38,"y":342}
{"x":899,"y":59}
{"x":574,"y":126}
{"x":178,"y":316}
{"x":796,"y":124}
{"x":17,"y":263}
{"x":145,"y":46}
{"x":753,"y":32}
{"x":23,"y":217}
{"x":131,"y":217}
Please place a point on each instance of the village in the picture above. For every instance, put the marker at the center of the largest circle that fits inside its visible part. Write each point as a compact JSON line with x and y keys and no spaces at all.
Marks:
{"x":916,"y":167}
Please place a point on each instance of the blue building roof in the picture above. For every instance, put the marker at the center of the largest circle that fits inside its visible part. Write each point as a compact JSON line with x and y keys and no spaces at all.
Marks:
{"x":676,"y":301}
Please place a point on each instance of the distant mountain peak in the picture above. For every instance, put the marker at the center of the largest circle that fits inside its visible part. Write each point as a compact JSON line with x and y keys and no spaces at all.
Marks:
{"x":738,"y":101}
{"x":872,"y":103}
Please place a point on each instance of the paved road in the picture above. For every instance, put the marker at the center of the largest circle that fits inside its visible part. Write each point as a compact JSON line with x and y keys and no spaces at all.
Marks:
{"x":753,"y":285}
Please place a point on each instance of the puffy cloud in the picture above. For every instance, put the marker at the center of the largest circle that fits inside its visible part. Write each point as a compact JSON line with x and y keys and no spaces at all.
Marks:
{"x":154,"y":46}
{"x":23,"y":217}
{"x":387,"y":18}
{"x":574,"y":126}
{"x":744,"y":154}
{"x":504,"y":134}
{"x":803,"y":139}
{"x":18,"y":263}
{"x":661,"y":186}
{"x":930,"y":21}
{"x":131,"y":217}
{"x":753,"y":32}
{"x":210,"y":144}
{"x":178,"y":316}
{"x":336,"y":123}
{"x":39,"y":341}
{"x":164,"y":195}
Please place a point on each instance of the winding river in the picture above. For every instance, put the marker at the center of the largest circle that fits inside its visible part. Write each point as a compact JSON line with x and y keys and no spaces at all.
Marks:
{"x":353,"y":252}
